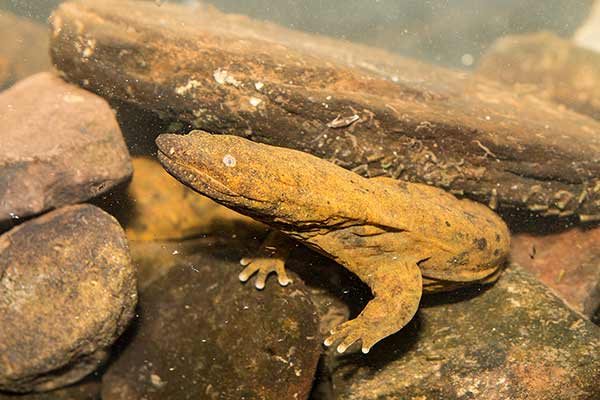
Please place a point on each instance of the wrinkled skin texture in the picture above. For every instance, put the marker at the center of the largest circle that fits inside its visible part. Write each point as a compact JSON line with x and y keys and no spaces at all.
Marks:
{"x":400,"y":238}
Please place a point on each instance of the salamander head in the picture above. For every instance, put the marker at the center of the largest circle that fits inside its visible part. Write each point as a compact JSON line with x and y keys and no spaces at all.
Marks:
{"x":279,"y":186}
{"x":236,"y":172}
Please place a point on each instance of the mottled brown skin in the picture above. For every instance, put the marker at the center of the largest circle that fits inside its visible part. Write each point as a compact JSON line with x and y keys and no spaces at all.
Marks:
{"x":398,"y":237}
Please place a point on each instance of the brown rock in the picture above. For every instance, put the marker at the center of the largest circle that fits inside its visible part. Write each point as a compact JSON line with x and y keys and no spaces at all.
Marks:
{"x":60,"y":145}
{"x":515,"y":340}
{"x":368,"y":110}
{"x":202,"y":334}
{"x":24,"y":49}
{"x":67,"y":287}
{"x":568,"y":262}
{"x":160,"y":208}
{"x":552,"y":67}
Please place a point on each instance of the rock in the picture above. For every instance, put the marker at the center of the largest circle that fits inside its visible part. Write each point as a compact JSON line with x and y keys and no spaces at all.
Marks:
{"x":588,"y":34}
{"x":24,"y":48}
{"x":89,"y":389}
{"x":551,"y":67}
{"x":160,"y":208}
{"x":568,"y":262}
{"x":514,"y":340}
{"x":203,"y":334}
{"x":60,"y":145}
{"x":365,"y":109}
{"x":68,"y":290}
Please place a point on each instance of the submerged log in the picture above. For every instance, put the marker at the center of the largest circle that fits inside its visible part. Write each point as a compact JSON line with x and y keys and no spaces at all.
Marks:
{"x":363,"y":108}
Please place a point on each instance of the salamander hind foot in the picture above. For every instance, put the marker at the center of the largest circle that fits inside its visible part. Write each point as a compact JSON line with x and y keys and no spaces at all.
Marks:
{"x":397,"y":297}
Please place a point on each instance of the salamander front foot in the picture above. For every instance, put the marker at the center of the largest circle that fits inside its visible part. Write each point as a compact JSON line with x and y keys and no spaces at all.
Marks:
{"x":263,"y":267}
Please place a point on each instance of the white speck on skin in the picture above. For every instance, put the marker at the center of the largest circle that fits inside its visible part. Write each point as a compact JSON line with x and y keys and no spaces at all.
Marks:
{"x":229,"y":160}
{"x":255,"y":101}
{"x":172,"y":150}
{"x":258,"y":85}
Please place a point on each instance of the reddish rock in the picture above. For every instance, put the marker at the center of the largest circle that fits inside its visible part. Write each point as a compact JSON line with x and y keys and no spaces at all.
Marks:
{"x":67,"y":291}
{"x":515,"y":340}
{"x":24,"y":49}
{"x":568,"y":262}
{"x":60,"y":145}
{"x":365,"y":109}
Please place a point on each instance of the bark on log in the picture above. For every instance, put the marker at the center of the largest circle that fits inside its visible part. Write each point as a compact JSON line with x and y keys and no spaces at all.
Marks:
{"x":363,"y":108}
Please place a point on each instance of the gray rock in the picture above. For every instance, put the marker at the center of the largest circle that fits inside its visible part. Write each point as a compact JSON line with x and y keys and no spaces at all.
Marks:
{"x":515,"y":340}
{"x":67,"y":291}
{"x":60,"y":145}
{"x":204,"y":335}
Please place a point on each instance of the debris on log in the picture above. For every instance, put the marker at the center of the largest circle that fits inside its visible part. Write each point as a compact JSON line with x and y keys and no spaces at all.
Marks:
{"x":365,"y":109}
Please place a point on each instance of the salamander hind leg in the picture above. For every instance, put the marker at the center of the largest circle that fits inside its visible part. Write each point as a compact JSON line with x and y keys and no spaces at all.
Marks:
{"x":270,"y":259}
{"x":397,"y":288}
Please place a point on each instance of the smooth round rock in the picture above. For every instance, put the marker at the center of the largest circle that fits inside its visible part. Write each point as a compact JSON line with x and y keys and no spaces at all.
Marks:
{"x":67,"y":291}
{"x":202,"y":334}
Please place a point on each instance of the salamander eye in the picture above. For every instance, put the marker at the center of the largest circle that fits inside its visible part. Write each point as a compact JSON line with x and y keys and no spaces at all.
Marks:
{"x":229,"y":160}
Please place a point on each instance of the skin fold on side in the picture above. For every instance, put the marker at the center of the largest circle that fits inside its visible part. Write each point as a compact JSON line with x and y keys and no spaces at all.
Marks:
{"x":400,"y":238}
